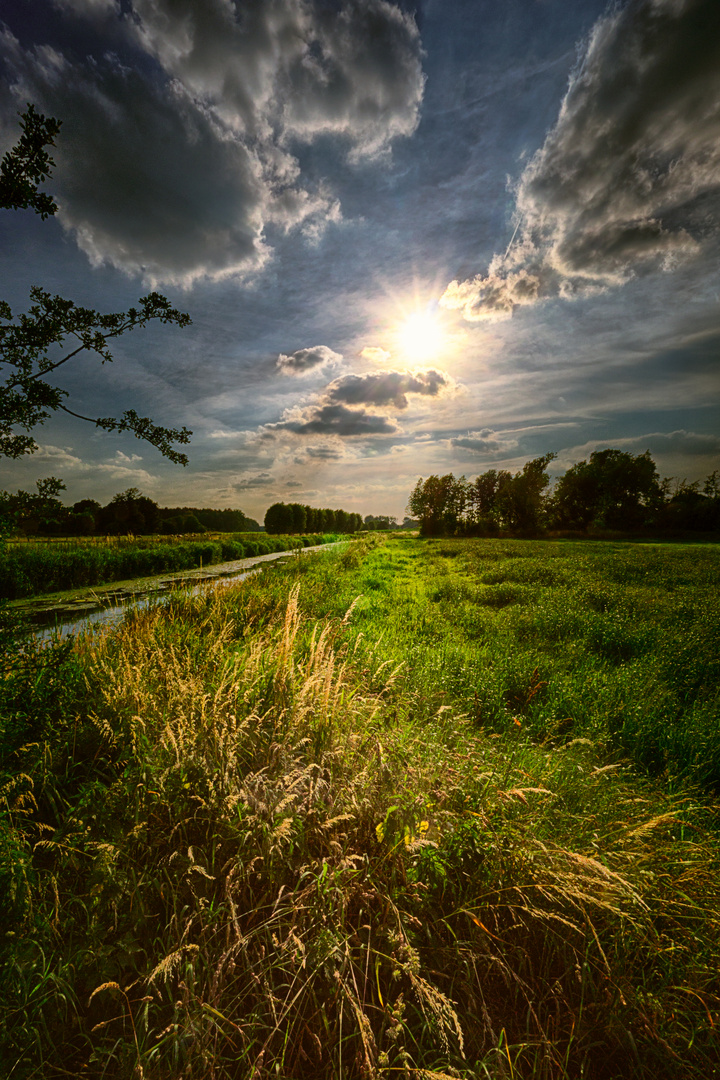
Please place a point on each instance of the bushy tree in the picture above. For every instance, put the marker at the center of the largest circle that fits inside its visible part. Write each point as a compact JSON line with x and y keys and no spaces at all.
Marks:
{"x":34,"y":511}
{"x":299,"y":518}
{"x":614,"y":490}
{"x":380,"y":521}
{"x":279,"y":519}
{"x":129,"y":513}
{"x":439,"y":503}
{"x":495,"y":501}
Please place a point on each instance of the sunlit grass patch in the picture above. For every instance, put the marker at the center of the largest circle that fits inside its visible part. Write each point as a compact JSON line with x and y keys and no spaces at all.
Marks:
{"x":316,"y":826}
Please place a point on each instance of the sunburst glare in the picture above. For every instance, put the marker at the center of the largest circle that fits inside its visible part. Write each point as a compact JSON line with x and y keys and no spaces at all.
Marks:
{"x":421,"y":336}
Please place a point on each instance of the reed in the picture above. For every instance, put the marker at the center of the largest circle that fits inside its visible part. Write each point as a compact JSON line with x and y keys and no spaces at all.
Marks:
{"x":36,"y":568}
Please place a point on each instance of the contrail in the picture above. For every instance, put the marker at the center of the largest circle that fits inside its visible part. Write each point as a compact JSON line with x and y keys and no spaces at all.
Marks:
{"x":512,"y":238}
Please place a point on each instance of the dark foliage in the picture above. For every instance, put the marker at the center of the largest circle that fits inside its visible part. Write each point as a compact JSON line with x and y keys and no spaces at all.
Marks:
{"x":298,"y":518}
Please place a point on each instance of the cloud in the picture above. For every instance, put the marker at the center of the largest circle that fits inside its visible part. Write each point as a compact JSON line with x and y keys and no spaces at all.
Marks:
{"x":331,"y":415}
{"x":388,"y":388}
{"x":303,"y":360}
{"x":627,"y":182}
{"x":178,"y":153}
{"x":661,"y":444}
{"x":251,"y":483}
{"x":485,"y":441}
{"x":375,"y":354}
{"x":316,"y":454}
{"x":324,"y":453}
{"x":336,"y":420}
{"x":690,"y":443}
{"x":120,"y":467}
{"x":96,"y":11}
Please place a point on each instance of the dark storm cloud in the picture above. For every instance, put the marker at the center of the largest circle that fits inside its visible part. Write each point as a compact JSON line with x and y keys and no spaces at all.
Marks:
{"x":303,"y":360}
{"x":175,"y":173}
{"x":628,"y":180}
{"x":336,"y":420}
{"x":143,"y":177}
{"x":385,"y":388}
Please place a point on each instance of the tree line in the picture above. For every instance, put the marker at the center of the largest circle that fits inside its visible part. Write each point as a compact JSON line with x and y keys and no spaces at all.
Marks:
{"x":299,"y":518}
{"x":613,"y":490}
{"x":41,"y":512}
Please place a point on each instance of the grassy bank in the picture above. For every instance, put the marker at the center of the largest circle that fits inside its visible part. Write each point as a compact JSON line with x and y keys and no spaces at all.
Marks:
{"x":414,"y":809}
{"x":32,"y":569}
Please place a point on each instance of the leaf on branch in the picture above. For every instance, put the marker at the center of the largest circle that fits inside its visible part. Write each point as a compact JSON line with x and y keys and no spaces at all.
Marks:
{"x":28,"y":164}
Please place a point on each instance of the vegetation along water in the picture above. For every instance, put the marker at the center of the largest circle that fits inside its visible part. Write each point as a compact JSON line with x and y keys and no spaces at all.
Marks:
{"x":405,"y":808}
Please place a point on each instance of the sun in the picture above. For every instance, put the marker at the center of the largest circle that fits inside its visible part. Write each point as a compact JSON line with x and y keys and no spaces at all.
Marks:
{"x":421,"y":336}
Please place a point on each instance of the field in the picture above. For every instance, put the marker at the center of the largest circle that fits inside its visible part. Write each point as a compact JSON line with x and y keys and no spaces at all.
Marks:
{"x":404,"y":808}
{"x":33,"y":568}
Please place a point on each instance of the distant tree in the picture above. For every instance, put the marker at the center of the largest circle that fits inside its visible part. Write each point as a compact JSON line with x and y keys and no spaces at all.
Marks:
{"x":279,"y":519}
{"x":129,"y":512}
{"x":439,"y":503}
{"x":299,"y":518}
{"x":86,"y":506}
{"x":711,"y":487}
{"x":614,"y":490}
{"x":33,"y":345}
{"x":225,"y":520}
{"x":525,"y":505}
{"x":689,"y":510}
{"x":34,"y":511}
{"x":80,"y":524}
{"x":380,"y":521}
{"x":446,"y":505}
{"x":192,"y":525}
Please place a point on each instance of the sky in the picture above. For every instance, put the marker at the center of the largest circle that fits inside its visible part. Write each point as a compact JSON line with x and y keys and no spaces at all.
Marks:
{"x":413,"y":238}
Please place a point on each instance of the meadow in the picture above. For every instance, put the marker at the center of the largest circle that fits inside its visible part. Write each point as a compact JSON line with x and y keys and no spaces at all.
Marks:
{"x":404,"y":808}
{"x":33,"y":568}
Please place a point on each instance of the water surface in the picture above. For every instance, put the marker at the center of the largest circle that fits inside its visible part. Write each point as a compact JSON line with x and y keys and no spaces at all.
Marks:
{"x":105,"y":606}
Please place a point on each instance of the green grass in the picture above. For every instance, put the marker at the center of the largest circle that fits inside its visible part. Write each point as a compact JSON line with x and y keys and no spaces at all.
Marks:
{"x":33,"y":569}
{"x":404,"y":809}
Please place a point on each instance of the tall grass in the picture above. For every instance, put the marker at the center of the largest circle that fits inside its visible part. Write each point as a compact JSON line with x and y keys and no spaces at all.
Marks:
{"x":266,"y":833}
{"x":34,"y":569}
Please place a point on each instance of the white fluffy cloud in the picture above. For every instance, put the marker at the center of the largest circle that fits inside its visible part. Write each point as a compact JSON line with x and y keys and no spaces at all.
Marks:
{"x":628,"y":180}
{"x":304,"y":360}
{"x":121,"y":467}
{"x":176,"y":155}
{"x":375,"y":354}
